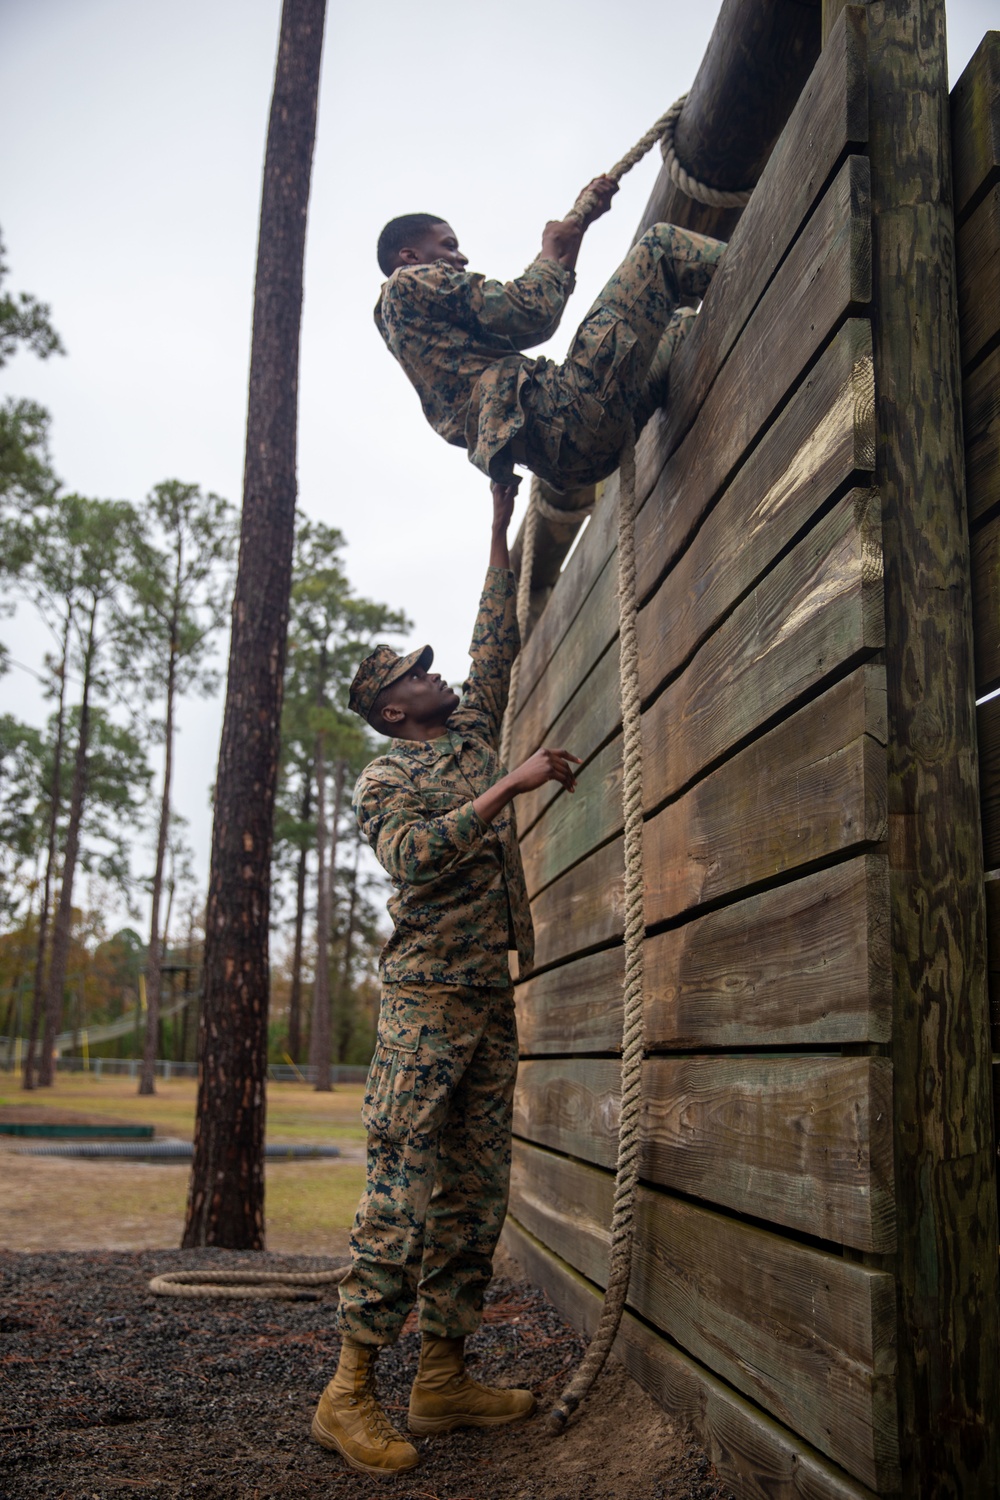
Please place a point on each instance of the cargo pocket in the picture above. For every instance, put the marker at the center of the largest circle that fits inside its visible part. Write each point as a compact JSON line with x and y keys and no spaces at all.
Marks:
{"x":390,"y":1092}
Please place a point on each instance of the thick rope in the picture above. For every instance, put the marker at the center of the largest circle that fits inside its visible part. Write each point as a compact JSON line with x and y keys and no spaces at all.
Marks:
{"x":288,"y":1286}
{"x":663,"y":131}
{"x":627,"y":1174}
{"x":627,"y":1171}
{"x":680,"y":177}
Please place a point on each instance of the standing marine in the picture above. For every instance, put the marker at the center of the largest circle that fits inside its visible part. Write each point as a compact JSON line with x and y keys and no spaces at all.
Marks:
{"x":436,"y":808}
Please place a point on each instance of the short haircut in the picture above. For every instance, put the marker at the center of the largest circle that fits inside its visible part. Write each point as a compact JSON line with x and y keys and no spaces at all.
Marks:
{"x":400,"y":232}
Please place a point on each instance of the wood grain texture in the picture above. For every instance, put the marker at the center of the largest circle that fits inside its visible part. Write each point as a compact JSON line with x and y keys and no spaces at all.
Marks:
{"x":754,"y":1455}
{"x":817,"y":612}
{"x":585,"y":908}
{"x":975,"y":126}
{"x":981,"y":417}
{"x":822,"y":438}
{"x":978,"y":246}
{"x":811,"y":788}
{"x":805,"y":963}
{"x":800,"y":1141}
{"x":949,"y":1323}
{"x":806,"y":1334}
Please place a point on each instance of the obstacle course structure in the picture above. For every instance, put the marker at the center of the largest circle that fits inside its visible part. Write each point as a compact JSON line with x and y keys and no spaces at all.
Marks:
{"x":814,"y":1277}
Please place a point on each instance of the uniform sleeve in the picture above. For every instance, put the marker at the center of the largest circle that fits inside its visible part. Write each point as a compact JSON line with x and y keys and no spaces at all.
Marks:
{"x":525,"y":311}
{"x":411,"y":845}
{"x":495,"y":643}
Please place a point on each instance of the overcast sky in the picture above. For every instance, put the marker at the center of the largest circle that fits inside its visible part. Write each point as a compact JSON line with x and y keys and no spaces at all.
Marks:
{"x":134,"y":137}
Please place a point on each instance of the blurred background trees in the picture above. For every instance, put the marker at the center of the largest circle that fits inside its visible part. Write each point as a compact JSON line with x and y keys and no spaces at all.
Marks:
{"x":101,"y":912}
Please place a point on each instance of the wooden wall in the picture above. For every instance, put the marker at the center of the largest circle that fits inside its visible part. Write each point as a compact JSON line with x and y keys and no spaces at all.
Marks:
{"x":976,"y":134}
{"x":764,"y":1303}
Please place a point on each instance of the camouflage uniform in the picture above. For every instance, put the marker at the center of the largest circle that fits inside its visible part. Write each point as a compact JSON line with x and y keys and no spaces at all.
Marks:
{"x":439,"y":1097}
{"x":459,"y":337}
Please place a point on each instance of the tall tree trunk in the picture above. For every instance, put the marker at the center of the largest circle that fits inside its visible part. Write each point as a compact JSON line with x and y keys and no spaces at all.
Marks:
{"x":55,"y":799}
{"x":295,"y":998}
{"x":226,"y":1192}
{"x":147,"y":1077}
{"x":64,"y":912}
{"x":345,"y":968}
{"x":319,"y":1036}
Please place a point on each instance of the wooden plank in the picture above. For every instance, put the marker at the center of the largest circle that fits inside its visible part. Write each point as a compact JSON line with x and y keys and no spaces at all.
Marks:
{"x":584,"y":909}
{"x":975,"y":126}
{"x":988,"y":734}
{"x":811,"y":788}
{"x":978,"y":249}
{"x":826,"y":273}
{"x":985,"y":548}
{"x":822,"y":438}
{"x":806,"y":1334}
{"x":806,"y":963}
{"x":756,"y":1457}
{"x":576,"y":1007}
{"x":844,"y":210}
{"x":981,"y":416}
{"x":800,"y":1141}
{"x":817,"y":612}
{"x":946,"y":1202}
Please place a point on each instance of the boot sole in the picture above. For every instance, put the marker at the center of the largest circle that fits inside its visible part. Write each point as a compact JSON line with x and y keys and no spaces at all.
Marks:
{"x":330,"y":1440}
{"x":429,"y":1426}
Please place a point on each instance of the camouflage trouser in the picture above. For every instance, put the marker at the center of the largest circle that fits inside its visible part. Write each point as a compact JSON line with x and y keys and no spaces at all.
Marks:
{"x":617,"y":367}
{"x":438,"y":1113}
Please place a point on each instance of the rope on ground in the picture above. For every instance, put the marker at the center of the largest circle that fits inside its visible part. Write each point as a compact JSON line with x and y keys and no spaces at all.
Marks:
{"x":287,"y":1286}
{"x":523,"y":611}
{"x":626,"y":1176}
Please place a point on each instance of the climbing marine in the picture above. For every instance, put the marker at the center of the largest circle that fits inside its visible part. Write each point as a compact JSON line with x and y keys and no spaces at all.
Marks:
{"x":460,"y":339}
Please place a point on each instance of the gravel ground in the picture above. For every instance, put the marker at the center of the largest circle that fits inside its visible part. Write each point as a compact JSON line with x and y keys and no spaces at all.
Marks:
{"x":111,"y":1391}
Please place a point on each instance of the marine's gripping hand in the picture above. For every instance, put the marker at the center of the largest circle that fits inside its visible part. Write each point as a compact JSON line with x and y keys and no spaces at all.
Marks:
{"x":561,"y":237}
{"x":545,"y":765}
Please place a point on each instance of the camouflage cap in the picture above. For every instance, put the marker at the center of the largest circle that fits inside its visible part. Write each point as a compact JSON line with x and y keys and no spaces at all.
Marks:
{"x":380,"y":669}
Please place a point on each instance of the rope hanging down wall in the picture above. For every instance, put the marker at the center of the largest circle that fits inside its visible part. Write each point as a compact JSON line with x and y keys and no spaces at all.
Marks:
{"x":627,"y":1168}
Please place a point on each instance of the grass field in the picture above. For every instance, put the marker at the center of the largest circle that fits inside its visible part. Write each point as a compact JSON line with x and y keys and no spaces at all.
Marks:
{"x":63,"y":1204}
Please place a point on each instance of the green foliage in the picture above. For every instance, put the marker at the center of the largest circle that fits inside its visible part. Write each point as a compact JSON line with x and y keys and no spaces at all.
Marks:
{"x":26,"y":477}
{"x":24,"y":321}
{"x":21,"y":796}
{"x":180,"y":577}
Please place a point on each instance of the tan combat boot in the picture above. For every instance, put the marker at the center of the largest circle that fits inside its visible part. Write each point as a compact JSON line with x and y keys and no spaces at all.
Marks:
{"x":444,"y":1396}
{"x":350,"y":1421}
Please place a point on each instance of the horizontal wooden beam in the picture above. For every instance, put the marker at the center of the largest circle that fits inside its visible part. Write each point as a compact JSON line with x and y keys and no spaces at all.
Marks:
{"x":808,"y":1335}
{"x":754,"y":1455}
{"x":807,"y":963}
{"x":801,"y":1141}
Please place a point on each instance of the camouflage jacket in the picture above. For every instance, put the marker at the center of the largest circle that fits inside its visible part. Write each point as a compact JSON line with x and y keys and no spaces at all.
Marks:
{"x":459,"y":900}
{"x":459,"y":337}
